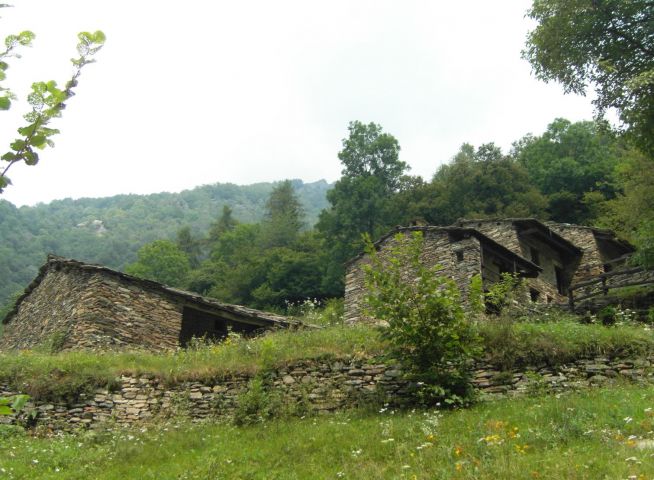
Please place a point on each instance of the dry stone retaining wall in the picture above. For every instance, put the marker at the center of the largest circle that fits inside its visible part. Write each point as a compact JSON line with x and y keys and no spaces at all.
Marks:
{"x":320,"y":386}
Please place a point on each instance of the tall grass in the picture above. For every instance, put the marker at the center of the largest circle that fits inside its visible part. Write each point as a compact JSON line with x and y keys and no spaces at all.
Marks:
{"x":62,"y":375}
{"x":66,"y":374}
{"x":508,"y":343}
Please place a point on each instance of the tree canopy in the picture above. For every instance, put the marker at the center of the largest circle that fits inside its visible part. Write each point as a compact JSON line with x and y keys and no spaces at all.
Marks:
{"x":361,"y":201}
{"x":606,"y":44}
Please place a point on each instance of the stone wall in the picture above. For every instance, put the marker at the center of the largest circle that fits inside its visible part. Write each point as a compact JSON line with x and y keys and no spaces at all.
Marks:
{"x":506,"y":234}
{"x":318,"y":386}
{"x":460,"y":259}
{"x":47,"y":314}
{"x":81,"y":309}
{"x":112,"y":313}
{"x":591,"y":263}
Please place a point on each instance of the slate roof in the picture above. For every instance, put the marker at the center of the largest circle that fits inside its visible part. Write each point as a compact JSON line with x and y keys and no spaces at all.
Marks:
{"x":248,"y":315}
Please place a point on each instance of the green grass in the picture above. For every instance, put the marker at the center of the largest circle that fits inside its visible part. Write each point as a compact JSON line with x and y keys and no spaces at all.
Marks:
{"x":507,"y":344}
{"x":61,"y":375}
{"x":589,"y":435}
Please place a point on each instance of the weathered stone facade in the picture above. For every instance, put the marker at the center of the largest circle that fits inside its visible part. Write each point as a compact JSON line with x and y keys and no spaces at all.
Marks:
{"x":317,"y":386}
{"x":531,"y":239}
{"x":462,"y":253}
{"x":551,"y":257}
{"x":76,"y":305}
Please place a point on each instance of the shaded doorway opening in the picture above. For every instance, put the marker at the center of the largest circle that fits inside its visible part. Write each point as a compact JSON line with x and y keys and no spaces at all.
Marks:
{"x":200,"y":324}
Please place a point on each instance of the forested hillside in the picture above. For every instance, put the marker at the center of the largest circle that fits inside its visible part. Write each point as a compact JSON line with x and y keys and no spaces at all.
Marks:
{"x":110,"y":230}
{"x":579,"y":172}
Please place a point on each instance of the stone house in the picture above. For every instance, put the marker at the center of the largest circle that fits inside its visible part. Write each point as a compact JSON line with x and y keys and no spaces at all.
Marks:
{"x":78,"y":305}
{"x":549,"y":256}
{"x":462,"y":253}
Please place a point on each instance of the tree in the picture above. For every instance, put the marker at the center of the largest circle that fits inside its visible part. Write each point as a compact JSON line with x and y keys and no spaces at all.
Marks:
{"x":480,"y":182}
{"x":46,"y":99}
{"x":608,"y":44}
{"x":361,"y":201}
{"x":283,"y":216}
{"x":225,"y":223}
{"x":631,"y":213}
{"x":189,"y":245}
{"x":568,"y":161}
{"x":161,"y":261}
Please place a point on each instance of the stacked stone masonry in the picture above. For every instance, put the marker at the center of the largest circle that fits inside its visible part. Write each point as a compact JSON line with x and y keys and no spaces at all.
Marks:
{"x":324,"y":386}
{"x":550,"y":257}
{"x":72,"y":305}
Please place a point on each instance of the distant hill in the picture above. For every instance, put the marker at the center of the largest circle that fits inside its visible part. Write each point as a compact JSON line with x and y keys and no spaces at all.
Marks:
{"x":110,"y":230}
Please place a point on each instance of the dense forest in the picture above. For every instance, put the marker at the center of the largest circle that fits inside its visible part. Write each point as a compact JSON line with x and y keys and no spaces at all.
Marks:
{"x":110,"y":230}
{"x":573,"y":172}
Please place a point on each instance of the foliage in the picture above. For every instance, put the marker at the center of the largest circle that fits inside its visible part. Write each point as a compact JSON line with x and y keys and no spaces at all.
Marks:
{"x":607,"y":44}
{"x":46,"y":99}
{"x":225,"y":223}
{"x":568,"y":161}
{"x":13,"y":405}
{"x":480,"y":183}
{"x":191,"y":247}
{"x":500,"y":297}
{"x":161,"y":261}
{"x":259,"y":404}
{"x":328,"y":313}
{"x":427,"y":329}
{"x":65,"y":227}
{"x":283,"y":216}
{"x":555,"y":339}
{"x":362,"y":200}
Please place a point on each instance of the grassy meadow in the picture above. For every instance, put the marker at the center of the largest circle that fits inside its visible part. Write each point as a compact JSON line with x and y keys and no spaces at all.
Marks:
{"x":597,"y":434}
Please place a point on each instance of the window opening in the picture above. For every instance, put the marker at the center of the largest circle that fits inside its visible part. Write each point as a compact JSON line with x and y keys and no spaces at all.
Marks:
{"x":560,"y":280}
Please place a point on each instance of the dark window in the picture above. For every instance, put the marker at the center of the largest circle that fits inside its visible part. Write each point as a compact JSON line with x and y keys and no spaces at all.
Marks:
{"x":560,"y":280}
{"x":459,"y":255}
{"x":535,"y":255}
{"x":534,"y":294}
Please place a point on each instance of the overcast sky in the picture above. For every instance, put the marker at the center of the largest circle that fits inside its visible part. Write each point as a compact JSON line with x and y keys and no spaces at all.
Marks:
{"x":197,"y":92}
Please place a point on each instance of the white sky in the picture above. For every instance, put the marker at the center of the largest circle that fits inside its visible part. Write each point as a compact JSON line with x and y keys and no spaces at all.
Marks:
{"x":197,"y":92}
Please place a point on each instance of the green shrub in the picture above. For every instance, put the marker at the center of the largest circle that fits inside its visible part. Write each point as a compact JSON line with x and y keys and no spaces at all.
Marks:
{"x":257,"y":404}
{"x":608,"y":315}
{"x":501,"y":296}
{"x":427,"y":328}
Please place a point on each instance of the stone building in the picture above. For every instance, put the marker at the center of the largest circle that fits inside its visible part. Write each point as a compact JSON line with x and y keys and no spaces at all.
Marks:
{"x":550,"y":257}
{"x":462,"y":253}
{"x":71,"y":304}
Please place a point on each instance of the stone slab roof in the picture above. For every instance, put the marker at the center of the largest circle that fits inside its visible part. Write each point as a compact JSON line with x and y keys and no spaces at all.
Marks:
{"x":519,"y":260}
{"x":600,"y":233}
{"x":545,"y":233}
{"x":249,"y":315}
